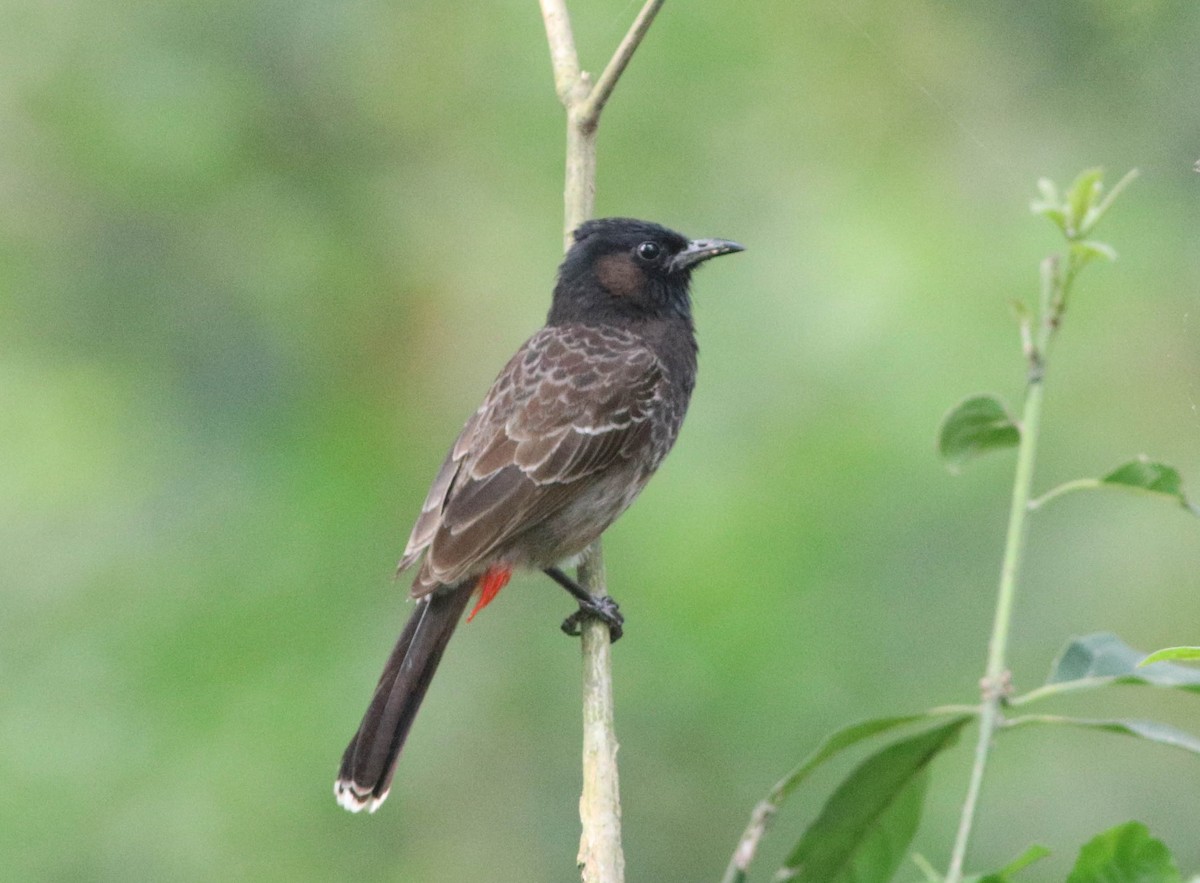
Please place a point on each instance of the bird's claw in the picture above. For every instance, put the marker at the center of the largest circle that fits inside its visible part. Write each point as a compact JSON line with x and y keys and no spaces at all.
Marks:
{"x":602,"y":608}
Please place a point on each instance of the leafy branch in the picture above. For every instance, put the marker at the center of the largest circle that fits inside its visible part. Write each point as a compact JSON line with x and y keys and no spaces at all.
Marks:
{"x":1076,"y":214}
{"x":867,"y":824}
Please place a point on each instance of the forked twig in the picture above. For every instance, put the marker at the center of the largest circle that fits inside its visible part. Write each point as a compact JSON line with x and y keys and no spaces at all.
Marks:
{"x":600,"y":858}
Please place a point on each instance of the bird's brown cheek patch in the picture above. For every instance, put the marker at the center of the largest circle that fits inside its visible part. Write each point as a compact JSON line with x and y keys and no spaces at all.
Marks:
{"x":619,"y":275}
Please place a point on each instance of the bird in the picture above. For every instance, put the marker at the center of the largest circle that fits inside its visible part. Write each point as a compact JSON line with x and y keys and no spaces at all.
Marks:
{"x":567,"y":436}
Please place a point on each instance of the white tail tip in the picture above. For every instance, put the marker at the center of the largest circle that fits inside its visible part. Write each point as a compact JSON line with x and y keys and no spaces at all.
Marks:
{"x":351,"y":798}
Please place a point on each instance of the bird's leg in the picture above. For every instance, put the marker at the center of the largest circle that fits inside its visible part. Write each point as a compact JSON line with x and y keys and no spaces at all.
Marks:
{"x":602,"y":608}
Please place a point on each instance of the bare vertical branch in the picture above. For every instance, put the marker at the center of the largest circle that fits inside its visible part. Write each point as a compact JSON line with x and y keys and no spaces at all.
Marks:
{"x":563,"y":57}
{"x":579,"y":189}
{"x":601,"y":859}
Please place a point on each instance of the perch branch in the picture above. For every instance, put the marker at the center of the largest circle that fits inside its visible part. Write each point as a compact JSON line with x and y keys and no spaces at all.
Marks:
{"x":600,"y":858}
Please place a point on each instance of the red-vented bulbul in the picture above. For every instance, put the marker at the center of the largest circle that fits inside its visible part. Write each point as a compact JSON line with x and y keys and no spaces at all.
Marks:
{"x":564,"y":441}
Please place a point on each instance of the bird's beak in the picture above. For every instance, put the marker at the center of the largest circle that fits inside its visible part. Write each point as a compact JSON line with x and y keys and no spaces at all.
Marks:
{"x":701,"y":250}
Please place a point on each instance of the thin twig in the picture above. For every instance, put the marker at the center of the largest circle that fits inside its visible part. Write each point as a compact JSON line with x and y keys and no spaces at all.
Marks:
{"x":1079,"y":484}
{"x":589,"y":110}
{"x":1057,"y":689}
{"x":747,"y":848}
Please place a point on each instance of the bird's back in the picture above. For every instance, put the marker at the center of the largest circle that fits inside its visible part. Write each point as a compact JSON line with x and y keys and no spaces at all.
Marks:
{"x":567,"y":436}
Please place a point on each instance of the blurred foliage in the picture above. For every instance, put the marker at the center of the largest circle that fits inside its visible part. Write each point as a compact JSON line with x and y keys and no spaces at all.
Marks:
{"x":258,"y":261}
{"x":1125,"y":854}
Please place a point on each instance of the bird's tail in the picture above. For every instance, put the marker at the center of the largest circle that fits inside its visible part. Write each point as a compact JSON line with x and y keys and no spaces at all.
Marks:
{"x":370,"y":759}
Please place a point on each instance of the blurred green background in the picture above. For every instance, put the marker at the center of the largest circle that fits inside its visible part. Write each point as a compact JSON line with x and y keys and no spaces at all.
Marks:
{"x":259,"y":260}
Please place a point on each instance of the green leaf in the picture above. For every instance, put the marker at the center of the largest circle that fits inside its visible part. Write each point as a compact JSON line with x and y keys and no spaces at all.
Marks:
{"x":832,"y":745}
{"x":1078,"y":211}
{"x":879,"y":851}
{"x":1088,"y":249}
{"x":1055,"y":213}
{"x":1050,"y":205}
{"x":1125,"y":854}
{"x":1188,"y":653}
{"x":1146,"y":475}
{"x":1033,"y":854}
{"x":1105,"y":659}
{"x":865,"y":827}
{"x":837,"y":742}
{"x":1152,"y":731}
{"x":1048,"y":191}
{"x":973,"y":427}
{"x":1098,"y":208}
{"x":1155,"y":478}
{"x":1083,"y":193}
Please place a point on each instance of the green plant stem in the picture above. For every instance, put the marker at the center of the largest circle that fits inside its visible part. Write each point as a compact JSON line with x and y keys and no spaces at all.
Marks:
{"x":995,"y":677}
{"x":1047,"y":691}
{"x":1026,"y":720}
{"x":1057,"y":278}
{"x":923,"y":865}
{"x":1079,"y":484}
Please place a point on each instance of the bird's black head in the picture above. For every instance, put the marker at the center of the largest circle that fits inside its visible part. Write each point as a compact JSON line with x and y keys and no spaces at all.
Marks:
{"x":619,"y":269}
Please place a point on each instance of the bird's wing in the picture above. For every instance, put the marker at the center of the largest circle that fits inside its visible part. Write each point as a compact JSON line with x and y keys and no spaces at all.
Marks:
{"x":573,"y":401}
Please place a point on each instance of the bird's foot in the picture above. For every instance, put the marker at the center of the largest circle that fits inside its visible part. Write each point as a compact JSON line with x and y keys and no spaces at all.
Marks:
{"x":602,"y":608}
{"x":591,"y":606}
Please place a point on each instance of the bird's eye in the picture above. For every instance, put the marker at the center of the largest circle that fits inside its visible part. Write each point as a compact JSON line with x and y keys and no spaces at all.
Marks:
{"x":648,"y":251}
